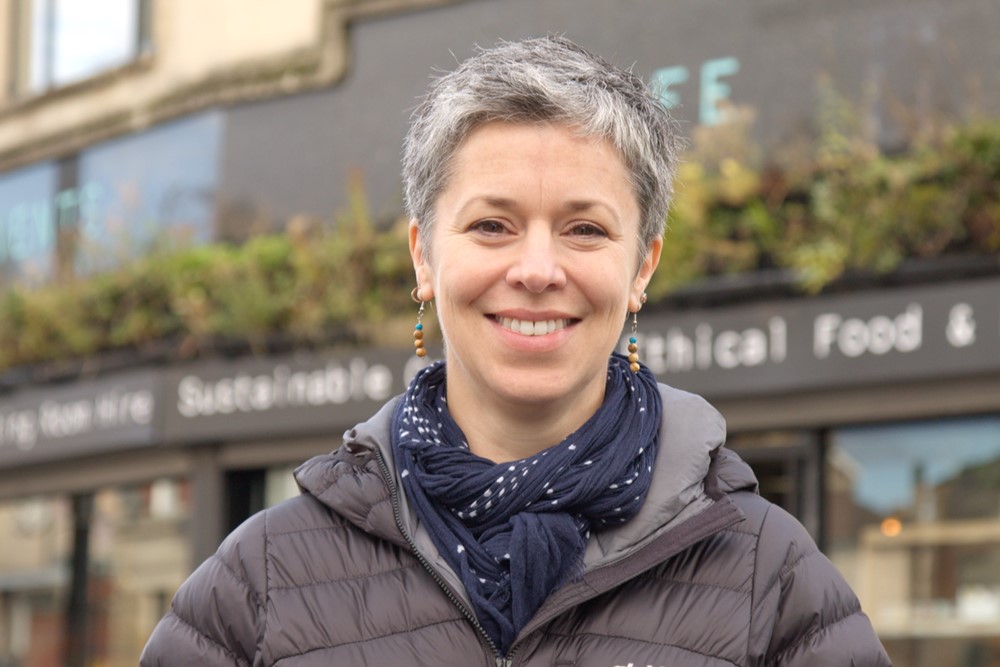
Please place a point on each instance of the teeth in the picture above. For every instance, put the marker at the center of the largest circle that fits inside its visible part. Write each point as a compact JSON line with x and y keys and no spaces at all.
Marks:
{"x":529,"y":328}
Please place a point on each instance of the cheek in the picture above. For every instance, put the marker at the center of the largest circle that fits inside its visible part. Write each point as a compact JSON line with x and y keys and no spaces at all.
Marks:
{"x":458,"y":282}
{"x":608,"y":284}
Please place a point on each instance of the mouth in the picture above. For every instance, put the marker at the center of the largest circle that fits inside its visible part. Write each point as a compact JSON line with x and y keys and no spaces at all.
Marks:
{"x":533,"y":327}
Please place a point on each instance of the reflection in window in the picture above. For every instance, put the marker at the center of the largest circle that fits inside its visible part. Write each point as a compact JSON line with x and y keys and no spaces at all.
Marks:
{"x":139,"y":555}
{"x":279,"y":485}
{"x":34,"y":580}
{"x":913,"y":521}
{"x":65,"y":41}
{"x":28,"y":223}
{"x":157,"y":187}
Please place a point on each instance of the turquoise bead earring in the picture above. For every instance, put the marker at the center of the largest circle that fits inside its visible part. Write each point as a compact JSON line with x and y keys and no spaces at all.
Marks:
{"x":418,"y":331}
{"x":633,"y":344}
{"x":633,"y":347}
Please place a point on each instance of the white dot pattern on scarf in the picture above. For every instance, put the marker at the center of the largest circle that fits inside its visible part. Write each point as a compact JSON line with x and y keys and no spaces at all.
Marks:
{"x":471,"y":505}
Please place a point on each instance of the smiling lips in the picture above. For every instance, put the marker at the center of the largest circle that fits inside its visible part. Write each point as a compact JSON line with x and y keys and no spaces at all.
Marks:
{"x":532,"y":328}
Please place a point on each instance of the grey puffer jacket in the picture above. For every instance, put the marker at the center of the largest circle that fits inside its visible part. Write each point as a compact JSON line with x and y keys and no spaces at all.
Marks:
{"x":707,"y":574}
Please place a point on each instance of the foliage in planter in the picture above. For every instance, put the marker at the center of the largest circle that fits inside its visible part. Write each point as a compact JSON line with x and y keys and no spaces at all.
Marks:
{"x":848,"y":207}
{"x":313,"y":283}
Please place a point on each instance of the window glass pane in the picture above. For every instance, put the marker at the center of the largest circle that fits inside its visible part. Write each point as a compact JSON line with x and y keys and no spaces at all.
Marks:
{"x":34,"y":580}
{"x":139,"y":555}
{"x":155,"y":186}
{"x":92,"y":36}
{"x":279,"y":484}
{"x":913,"y":521}
{"x":73,"y":40}
{"x":27,"y":223}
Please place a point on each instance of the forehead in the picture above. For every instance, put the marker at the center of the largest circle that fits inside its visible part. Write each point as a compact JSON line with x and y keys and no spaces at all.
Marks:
{"x":500,"y":134}
{"x":554,"y":160}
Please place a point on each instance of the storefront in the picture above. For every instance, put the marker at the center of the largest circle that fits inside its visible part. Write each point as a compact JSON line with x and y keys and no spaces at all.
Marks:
{"x":873,"y":416}
{"x":115,"y":488}
{"x":223,"y":172}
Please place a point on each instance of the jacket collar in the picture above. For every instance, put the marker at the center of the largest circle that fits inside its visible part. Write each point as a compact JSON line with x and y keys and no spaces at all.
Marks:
{"x":357,"y":479}
{"x":689,"y":457}
{"x":691,"y":471}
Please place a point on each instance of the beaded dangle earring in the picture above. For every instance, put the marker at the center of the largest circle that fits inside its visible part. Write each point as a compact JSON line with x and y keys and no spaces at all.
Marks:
{"x":418,"y":331}
{"x":633,"y":345}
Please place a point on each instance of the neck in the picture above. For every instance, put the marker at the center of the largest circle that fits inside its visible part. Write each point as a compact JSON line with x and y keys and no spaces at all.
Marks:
{"x":504,"y":430}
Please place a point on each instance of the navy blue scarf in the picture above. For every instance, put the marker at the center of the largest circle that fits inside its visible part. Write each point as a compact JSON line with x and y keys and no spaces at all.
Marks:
{"x":515,"y":531}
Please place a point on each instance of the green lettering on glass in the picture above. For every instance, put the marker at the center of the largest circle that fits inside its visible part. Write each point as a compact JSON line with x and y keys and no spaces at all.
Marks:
{"x":28,"y":230}
{"x":40,"y":222}
{"x":17,"y":232}
{"x":66,"y":203}
{"x":90,"y":198}
{"x":714,"y":91}
{"x":666,"y":77}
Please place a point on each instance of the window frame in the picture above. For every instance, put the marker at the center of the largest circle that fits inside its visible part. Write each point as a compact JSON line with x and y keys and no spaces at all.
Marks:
{"x":21,"y":56}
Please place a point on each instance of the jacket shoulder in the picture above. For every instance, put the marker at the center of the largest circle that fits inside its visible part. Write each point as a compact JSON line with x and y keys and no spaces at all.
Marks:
{"x":217,"y":617}
{"x":678,"y":403}
{"x":803,"y":612}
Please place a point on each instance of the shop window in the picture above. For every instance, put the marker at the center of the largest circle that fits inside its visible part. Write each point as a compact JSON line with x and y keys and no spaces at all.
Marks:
{"x":913,"y":522}
{"x":150,"y":190}
{"x":252,"y":490}
{"x":29,"y":210}
{"x":111,"y":203}
{"x":245,"y":495}
{"x":138,"y":555}
{"x":34,"y":580}
{"x":279,"y":484}
{"x":60,"y":42}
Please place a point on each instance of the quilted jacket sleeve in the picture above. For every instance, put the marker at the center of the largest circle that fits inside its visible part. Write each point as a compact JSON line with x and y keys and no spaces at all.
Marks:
{"x":216,"y":616}
{"x":805,"y":614}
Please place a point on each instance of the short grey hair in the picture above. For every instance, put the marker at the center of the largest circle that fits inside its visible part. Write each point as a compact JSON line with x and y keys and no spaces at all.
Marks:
{"x":542,"y":80}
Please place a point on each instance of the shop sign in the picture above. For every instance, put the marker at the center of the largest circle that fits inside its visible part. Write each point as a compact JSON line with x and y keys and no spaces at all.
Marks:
{"x":863,"y":338}
{"x":87,"y":417}
{"x":277,"y":396}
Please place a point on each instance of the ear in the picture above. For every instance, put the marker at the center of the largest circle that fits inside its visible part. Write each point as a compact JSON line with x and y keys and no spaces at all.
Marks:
{"x":421,"y":264}
{"x":645,"y":275}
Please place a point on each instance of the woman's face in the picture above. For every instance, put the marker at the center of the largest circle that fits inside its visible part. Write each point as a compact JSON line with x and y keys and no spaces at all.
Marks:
{"x":534,"y":262}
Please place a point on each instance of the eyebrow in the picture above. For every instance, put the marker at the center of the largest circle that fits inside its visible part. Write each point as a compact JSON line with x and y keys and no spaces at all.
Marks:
{"x":490,"y":200}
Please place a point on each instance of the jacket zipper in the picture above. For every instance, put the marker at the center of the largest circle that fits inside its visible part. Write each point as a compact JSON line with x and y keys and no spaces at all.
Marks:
{"x":540,"y":620}
{"x":393,"y":494}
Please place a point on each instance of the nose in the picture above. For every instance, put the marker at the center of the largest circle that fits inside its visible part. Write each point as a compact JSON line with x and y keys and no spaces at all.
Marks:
{"x":537,"y":266}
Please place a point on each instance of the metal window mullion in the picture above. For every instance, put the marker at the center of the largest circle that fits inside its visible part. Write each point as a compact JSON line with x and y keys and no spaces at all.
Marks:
{"x":144,"y":28}
{"x":21,"y":64}
{"x":48,"y":34}
{"x":14,"y":47}
{"x":77,"y":610}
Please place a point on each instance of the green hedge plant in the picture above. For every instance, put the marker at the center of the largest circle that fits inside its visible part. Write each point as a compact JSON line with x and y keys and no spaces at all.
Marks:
{"x":849,"y":207}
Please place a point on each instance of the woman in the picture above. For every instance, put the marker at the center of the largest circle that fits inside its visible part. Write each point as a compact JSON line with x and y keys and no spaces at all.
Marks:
{"x":535,"y":499}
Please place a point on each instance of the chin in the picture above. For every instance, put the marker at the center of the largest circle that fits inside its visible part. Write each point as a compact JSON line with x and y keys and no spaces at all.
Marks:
{"x":540,"y":386}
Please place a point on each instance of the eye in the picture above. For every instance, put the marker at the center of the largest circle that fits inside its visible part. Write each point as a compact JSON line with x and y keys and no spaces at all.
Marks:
{"x":587,"y":230}
{"x":489,"y":226}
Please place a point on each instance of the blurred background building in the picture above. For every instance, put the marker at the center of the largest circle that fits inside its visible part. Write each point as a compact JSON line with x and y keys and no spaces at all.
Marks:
{"x":201,"y":274}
